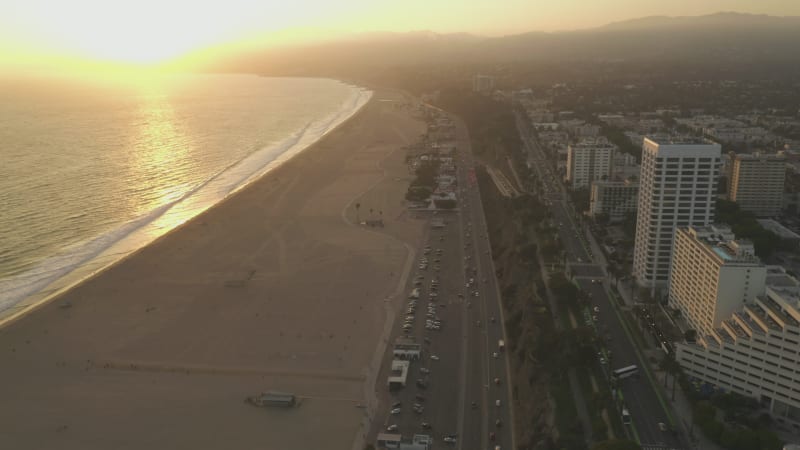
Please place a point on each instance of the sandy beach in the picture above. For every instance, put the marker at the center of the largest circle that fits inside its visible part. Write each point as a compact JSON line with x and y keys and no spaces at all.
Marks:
{"x":275,"y":288}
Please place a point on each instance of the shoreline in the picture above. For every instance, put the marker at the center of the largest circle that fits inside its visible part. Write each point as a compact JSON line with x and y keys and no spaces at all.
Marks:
{"x":274,"y":288}
{"x":138,"y":239}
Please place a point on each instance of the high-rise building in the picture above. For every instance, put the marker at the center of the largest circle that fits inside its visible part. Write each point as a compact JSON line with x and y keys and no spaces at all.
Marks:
{"x":589,"y":160}
{"x":712,"y":275}
{"x":746,"y":319}
{"x":615,"y":199}
{"x":482,"y":83}
{"x":755,"y":183}
{"x":677,"y":187}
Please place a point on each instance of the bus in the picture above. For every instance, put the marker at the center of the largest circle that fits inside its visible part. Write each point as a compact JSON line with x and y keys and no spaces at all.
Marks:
{"x":625,"y":372}
{"x":626,"y":416}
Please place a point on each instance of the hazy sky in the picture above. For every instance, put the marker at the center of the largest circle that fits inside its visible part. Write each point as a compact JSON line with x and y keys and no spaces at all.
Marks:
{"x":150,"y":30}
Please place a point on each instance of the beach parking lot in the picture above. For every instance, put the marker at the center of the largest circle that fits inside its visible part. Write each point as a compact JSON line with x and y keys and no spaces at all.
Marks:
{"x":276,"y":288}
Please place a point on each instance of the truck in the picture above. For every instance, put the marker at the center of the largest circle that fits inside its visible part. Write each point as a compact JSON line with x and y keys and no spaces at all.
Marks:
{"x":501,"y":345}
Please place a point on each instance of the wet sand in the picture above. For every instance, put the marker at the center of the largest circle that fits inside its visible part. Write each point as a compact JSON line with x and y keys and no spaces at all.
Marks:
{"x":275,"y":288}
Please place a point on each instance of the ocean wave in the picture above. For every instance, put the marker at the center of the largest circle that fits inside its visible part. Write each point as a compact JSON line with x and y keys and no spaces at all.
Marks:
{"x":51,"y":275}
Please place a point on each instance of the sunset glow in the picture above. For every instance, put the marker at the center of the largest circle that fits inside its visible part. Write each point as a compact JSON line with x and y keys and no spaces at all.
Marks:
{"x":149,"y":32}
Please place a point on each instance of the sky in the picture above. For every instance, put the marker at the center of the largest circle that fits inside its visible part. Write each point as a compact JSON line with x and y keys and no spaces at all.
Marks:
{"x":150,"y":31}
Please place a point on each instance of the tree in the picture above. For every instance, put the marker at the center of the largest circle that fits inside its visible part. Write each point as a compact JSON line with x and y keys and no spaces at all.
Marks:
{"x":358,"y":206}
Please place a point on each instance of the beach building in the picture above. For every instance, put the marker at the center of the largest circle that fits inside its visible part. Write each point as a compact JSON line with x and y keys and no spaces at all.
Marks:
{"x":677,"y":188}
{"x":399,"y":374}
{"x":588,"y":161}
{"x":407,"y":348}
{"x":274,"y":399}
{"x":756,"y":182}
{"x":388,"y":440}
{"x":615,"y":199}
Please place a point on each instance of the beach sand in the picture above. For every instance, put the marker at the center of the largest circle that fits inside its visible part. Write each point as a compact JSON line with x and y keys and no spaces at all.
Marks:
{"x":273,"y":289}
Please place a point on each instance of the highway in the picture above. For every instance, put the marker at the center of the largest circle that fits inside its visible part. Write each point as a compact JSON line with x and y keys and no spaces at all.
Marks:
{"x":461,"y":398}
{"x":641,"y":399}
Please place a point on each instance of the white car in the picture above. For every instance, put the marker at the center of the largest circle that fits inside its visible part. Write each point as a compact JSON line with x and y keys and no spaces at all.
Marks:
{"x":391,"y":428}
{"x":396,"y":411}
{"x":424,"y":370}
{"x":434,"y":357}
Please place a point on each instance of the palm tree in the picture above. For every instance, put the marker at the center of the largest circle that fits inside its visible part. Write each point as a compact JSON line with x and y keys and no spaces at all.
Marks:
{"x":358,"y":206}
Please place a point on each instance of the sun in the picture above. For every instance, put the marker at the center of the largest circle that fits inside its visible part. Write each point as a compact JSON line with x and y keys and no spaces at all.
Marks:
{"x":141,"y":32}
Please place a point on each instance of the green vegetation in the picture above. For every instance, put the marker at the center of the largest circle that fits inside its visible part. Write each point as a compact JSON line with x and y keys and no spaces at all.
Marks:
{"x":742,"y":428}
{"x":491,"y":123}
{"x":745,"y":226}
{"x":617,"y":137}
{"x":422,"y":186}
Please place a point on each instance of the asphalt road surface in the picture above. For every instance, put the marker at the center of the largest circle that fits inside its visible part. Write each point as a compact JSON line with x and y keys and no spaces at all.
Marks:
{"x":641,"y":399}
{"x":461,"y":398}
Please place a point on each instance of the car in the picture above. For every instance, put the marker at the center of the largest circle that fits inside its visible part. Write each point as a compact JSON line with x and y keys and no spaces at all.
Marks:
{"x":422,"y":384}
{"x":419,"y":410}
{"x":596,"y":309}
{"x":427,"y":340}
{"x":497,"y":403}
{"x":494,"y":355}
{"x":425,"y":426}
{"x":395,"y":411}
{"x":397,"y":404}
{"x":449,"y":439}
{"x":602,"y":361}
{"x":662,"y":426}
{"x":492,"y":319}
{"x":408,"y":326}
{"x":424,"y":370}
{"x":434,"y":357}
{"x":420,"y":397}
{"x":498,"y":423}
{"x":391,"y":428}
{"x":497,"y":381}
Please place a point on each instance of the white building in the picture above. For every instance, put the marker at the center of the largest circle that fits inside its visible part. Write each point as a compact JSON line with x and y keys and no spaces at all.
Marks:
{"x":677,"y":187}
{"x":755,"y":183}
{"x":589,"y":160}
{"x":754,"y":351}
{"x":616,"y":199}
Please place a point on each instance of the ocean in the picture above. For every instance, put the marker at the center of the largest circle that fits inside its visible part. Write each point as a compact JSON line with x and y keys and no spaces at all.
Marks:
{"x":92,"y":170}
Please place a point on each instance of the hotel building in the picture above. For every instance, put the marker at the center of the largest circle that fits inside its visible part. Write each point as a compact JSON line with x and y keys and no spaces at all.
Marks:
{"x":746,"y":317}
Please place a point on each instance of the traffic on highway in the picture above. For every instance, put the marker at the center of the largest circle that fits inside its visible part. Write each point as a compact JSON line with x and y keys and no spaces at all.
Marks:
{"x":457,"y":392}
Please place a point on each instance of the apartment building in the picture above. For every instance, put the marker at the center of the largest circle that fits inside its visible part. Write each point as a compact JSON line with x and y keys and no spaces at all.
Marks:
{"x":615,"y":199}
{"x":755,"y":350}
{"x":677,"y":188}
{"x":756,"y":182}
{"x":589,"y":160}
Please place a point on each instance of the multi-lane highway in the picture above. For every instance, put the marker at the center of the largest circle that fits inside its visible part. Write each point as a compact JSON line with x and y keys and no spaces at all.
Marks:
{"x":464,"y":394}
{"x":641,"y":398}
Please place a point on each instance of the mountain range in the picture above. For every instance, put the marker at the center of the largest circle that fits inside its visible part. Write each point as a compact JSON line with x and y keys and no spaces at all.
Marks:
{"x":722,"y":37}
